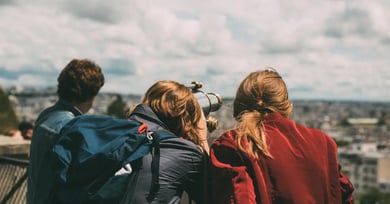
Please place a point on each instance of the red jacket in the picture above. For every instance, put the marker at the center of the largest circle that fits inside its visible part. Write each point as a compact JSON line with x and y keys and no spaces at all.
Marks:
{"x":304,"y":168}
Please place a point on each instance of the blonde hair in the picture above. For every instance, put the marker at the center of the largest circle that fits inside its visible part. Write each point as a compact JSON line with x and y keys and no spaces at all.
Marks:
{"x":177,"y":107}
{"x":261,"y":92}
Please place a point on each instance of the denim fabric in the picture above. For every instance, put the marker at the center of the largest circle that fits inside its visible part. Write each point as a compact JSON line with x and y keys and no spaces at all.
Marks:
{"x":47,"y":126}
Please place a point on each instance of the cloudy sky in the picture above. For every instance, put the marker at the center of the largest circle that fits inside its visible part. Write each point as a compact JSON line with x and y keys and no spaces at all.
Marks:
{"x":324,"y":49}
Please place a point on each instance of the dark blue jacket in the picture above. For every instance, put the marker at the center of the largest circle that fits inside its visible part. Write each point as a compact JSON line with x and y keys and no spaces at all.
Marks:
{"x":46,"y":128}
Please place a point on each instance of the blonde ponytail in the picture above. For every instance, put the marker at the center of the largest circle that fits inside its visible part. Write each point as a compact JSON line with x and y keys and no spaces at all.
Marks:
{"x":251,"y":131}
{"x":260,"y":93}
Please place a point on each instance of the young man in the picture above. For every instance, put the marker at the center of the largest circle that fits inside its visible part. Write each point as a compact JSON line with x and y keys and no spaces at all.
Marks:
{"x":78,"y":84}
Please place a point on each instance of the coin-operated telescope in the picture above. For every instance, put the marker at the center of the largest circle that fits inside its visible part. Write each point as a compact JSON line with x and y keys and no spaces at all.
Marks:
{"x":210,"y":102}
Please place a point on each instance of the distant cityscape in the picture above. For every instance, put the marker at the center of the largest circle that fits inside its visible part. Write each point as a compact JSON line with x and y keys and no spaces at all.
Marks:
{"x":362,"y":129}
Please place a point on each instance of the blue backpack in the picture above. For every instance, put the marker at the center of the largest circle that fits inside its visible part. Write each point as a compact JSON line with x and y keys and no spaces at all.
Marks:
{"x":91,"y":154}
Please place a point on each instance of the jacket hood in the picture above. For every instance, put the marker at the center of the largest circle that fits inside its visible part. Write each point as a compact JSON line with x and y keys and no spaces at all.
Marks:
{"x":145,"y":114}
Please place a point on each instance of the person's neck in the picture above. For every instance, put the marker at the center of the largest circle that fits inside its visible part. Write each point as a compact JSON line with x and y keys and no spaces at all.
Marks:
{"x":84,"y":107}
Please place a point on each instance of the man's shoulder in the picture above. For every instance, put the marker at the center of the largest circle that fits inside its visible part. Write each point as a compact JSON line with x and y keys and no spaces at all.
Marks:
{"x":54,"y":120}
{"x":44,"y":113}
{"x":59,"y":106}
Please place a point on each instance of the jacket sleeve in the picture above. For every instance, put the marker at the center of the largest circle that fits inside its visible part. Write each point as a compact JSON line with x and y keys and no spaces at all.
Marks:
{"x":231,"y":182}
{"x":198,"y":186}
{"x":346,"y":188}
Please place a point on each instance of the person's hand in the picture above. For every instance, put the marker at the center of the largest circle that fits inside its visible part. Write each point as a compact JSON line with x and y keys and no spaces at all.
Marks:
{"x":203,"y":133}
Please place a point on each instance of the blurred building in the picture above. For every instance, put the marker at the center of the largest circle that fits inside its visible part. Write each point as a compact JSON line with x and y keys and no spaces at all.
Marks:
{"x":366,"y":166}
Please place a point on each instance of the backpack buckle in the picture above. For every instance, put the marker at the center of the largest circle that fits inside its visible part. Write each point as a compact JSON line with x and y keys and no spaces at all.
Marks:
{"x":149,"y":136}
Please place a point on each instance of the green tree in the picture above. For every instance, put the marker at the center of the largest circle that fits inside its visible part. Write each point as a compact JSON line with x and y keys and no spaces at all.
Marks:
{"x":117,"y":108}
{"x":8,"y":117}
{"x":374,"y":196}
{"x":341,"y":142}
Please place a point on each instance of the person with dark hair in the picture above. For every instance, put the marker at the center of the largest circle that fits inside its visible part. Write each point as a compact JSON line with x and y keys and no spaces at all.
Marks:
{"x":268,"y":158}
{"x":170,"y":106}
{"x":26,"y":129}
{"x":78,"y":84}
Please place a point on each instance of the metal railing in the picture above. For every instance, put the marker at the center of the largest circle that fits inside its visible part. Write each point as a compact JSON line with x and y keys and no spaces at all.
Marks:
{"x":13,"y":180}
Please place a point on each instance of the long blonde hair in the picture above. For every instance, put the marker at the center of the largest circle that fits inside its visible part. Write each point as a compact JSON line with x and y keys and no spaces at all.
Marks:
{"x":177,"y":107}
{"x":261,"y":92}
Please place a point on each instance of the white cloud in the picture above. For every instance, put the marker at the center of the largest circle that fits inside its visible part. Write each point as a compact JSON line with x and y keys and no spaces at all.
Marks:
{"x":322,"y":48}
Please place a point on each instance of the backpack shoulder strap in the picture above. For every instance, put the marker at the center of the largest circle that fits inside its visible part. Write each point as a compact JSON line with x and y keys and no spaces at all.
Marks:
{"x":155,"y":166}
{"x":157,"y":137}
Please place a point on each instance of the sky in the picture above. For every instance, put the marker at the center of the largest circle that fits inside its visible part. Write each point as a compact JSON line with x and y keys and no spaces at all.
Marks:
{"x":324,"y":49}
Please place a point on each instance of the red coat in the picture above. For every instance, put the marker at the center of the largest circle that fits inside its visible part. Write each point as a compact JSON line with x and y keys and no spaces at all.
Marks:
{"x":304,"y":168}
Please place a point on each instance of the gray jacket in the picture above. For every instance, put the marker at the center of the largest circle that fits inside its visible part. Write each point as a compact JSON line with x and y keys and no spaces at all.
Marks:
{"x":183,"y":167}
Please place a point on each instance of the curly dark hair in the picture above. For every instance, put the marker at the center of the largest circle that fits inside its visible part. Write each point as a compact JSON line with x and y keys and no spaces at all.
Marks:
{"x":79,"y":81}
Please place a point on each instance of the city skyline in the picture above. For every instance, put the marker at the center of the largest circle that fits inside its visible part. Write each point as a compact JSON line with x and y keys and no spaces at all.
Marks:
{"x":326,"y":50}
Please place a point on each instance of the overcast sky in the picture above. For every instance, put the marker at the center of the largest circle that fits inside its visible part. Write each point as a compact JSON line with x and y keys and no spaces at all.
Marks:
{"x":324,"y":49}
